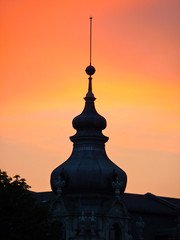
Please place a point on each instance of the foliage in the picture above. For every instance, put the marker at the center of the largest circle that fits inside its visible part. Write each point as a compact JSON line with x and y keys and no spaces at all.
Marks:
{"x":21,"y":217}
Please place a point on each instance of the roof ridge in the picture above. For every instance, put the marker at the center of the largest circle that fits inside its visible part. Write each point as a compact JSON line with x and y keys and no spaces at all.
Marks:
{"x":163,"y":201}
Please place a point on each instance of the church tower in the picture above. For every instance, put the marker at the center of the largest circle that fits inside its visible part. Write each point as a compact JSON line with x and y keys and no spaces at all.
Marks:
{"x":88,"y":185}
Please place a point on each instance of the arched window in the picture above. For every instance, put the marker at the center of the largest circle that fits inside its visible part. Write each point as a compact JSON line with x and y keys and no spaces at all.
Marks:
{"x":115,"y":232}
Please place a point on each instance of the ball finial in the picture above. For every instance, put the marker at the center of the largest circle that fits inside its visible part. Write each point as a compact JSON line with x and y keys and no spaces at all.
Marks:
{"x":90,"y":70}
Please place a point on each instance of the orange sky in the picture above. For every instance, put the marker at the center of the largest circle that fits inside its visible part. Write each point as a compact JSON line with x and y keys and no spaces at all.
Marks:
{"x":44,"y":47}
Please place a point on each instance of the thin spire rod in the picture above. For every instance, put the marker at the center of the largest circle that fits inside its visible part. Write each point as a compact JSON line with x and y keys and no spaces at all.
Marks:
{"x":90,"y":70}
{"x":90,"y":39}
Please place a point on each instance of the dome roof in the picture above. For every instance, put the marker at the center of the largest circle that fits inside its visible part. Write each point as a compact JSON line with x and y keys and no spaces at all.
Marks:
{"x":88,"y":170}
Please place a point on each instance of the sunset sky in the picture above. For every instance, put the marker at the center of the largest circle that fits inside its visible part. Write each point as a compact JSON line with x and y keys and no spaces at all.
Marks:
{"x":44,"y":50}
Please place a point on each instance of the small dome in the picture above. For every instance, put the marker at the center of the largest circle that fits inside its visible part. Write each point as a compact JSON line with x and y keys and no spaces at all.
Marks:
{"x":89,"y":119}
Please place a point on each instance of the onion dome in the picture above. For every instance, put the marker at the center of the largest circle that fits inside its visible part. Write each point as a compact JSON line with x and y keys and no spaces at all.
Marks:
{"x":88,"y":170}
{"x":89,"y":119}
{"x":89,"y":124}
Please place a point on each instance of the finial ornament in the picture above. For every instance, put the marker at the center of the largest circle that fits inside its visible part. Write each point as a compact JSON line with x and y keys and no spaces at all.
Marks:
{"x":82,"y":221}
{"x":90,"y":39}
{"x":90,"y":70}
{"x":140,"y":228}
{"x":60,"y":184}
{"x":117,"y":185}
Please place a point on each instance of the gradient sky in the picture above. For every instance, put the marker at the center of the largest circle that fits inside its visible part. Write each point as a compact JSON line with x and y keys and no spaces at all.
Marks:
{"x":44,"y":47}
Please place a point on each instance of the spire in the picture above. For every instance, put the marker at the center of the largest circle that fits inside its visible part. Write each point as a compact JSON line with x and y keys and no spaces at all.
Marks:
{"x":88,"y":170}
{"x":90,"y":38}
{"x":90,"y":70}
{"x":89,"y":124}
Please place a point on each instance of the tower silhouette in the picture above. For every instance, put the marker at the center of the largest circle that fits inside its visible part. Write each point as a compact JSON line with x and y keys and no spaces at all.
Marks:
{"x":90,"y":202}
{"x":88,"y":185}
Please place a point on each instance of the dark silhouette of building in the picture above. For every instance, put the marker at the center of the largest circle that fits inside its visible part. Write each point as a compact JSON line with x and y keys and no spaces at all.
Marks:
{"x":88,"y":198}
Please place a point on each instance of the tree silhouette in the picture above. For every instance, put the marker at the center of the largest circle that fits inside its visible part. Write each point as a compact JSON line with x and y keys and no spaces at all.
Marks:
{"x":21,"y":217}
{"x":16,"y":177}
